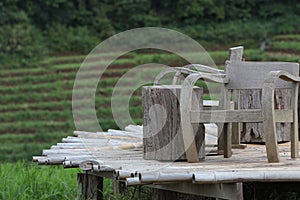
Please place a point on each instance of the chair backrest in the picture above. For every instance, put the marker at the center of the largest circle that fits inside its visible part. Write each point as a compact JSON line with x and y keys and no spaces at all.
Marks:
{"x":236,"y":53}
{"x":251,"y":75}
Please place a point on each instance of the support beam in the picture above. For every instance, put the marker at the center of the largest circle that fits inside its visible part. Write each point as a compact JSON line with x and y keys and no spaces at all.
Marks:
{"x":224,"y":191}
{"x":89,"y":187}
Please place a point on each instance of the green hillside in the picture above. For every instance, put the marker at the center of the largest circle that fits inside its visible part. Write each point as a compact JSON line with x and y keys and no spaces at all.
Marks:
{"x":36,"y":102}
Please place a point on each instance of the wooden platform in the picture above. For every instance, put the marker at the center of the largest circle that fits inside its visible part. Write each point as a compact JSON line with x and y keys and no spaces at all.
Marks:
{"x":118,"y":155}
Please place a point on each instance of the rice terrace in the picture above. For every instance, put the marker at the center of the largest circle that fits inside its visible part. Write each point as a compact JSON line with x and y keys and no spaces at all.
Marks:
{"x":43,"y":45}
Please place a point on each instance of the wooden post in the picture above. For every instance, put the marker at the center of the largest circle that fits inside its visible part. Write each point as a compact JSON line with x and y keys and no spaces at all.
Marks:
{"x":236,"y":54}
{"x":89,"y":187}
{"x":162,"y":128}
{"x":159,"y":194}
{"x":119,"y":188}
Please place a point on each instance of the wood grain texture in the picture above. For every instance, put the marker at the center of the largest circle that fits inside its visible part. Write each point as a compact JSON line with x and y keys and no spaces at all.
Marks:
{"x":295,"y":129}
{"x":235,"y":54}
{"x":269,"y":122}
{"x":162,"y":127}
{"x":251,"y":99}
{"x":252,"y":115}
{"x":89,"y":187}
{"x":251,"y":75}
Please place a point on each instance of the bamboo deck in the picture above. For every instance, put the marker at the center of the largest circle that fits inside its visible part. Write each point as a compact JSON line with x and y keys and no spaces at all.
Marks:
{"x":121,"y":153}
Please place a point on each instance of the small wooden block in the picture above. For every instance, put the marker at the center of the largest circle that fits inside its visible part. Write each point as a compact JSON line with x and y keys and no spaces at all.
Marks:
{"x":162,"y":134}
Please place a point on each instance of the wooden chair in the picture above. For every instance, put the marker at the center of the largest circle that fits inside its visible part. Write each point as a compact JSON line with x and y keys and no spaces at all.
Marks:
{"x":240,"y":75}
{"x":234,"y":54}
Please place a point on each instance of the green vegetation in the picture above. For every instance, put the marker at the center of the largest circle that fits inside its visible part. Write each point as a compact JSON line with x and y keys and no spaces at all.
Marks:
{"x":29,"y":181}
{"x":287,"y":37}
{"x":31,"y":30}
{"x":293,"y":46}
{"x":24,"y":181}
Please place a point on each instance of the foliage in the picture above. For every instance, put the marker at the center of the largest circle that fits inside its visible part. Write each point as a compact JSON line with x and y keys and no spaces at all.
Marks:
{"x":20,"y":42}
{"x":290,"y":46}
{"x":70,"y":39}
{"x":31,"y":28}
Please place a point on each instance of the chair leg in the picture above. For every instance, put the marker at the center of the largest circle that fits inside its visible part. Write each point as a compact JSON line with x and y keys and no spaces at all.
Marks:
{"x":227,"y":140}
{"x":221,"y":138}
{"x":294,"y":131}
{"x":186,"y":98}
{"x":222,"y":128}
{"x":294,"y":141}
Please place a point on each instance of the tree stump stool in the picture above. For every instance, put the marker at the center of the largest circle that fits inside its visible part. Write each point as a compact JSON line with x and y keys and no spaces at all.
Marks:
{"x":162,"y":134}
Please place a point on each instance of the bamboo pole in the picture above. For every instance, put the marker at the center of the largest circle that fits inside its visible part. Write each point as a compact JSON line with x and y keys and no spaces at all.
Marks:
{"x":246,"y":176}
{"x":166,"y":177}
{"x":134,"y":128}
{"x":128,"y":165}
{"x":124,"y":133}
{"x":36,"y":158}
{"x":97,"y":154}
{"x":87,"y":145}
{"x":92,"y":149}
{"x":80,"y":144}
{"x":82,"y":150}
{"x":70,"y":139}
{"x":112,"y":137}
{"x":122,"y":174}
{"x":130,"y":131}
{"x":132,"y":181}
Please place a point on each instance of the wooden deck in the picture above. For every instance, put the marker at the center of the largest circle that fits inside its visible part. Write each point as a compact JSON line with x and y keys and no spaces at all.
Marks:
{"x":119,"y":155}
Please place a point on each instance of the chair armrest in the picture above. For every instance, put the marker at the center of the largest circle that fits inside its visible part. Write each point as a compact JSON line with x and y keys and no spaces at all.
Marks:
{"x":268,"y":112}
{"x":178,"y":70}
{"x":186,"y":107}
{"x":274,"y":75}
{"x":187,"y":69}
{"x":204,"y":68}
{"x":217,"y":78}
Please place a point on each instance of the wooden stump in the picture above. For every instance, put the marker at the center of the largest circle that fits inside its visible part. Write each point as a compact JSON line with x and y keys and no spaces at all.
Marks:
{"x":253,"y":132}
{"x":162,"y":128}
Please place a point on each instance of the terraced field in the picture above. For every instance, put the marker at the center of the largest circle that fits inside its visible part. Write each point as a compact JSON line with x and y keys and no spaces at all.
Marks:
{"x":36,"y":103}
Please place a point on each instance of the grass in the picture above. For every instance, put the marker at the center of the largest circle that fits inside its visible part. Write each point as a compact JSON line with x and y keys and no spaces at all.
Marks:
{"x":288,"y":37}
{"x":28,"y":181}
{"x":30,"y":138}
{"x":23,"y":180}
{"x":36,"y":126}
{"x":290,"y":46}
